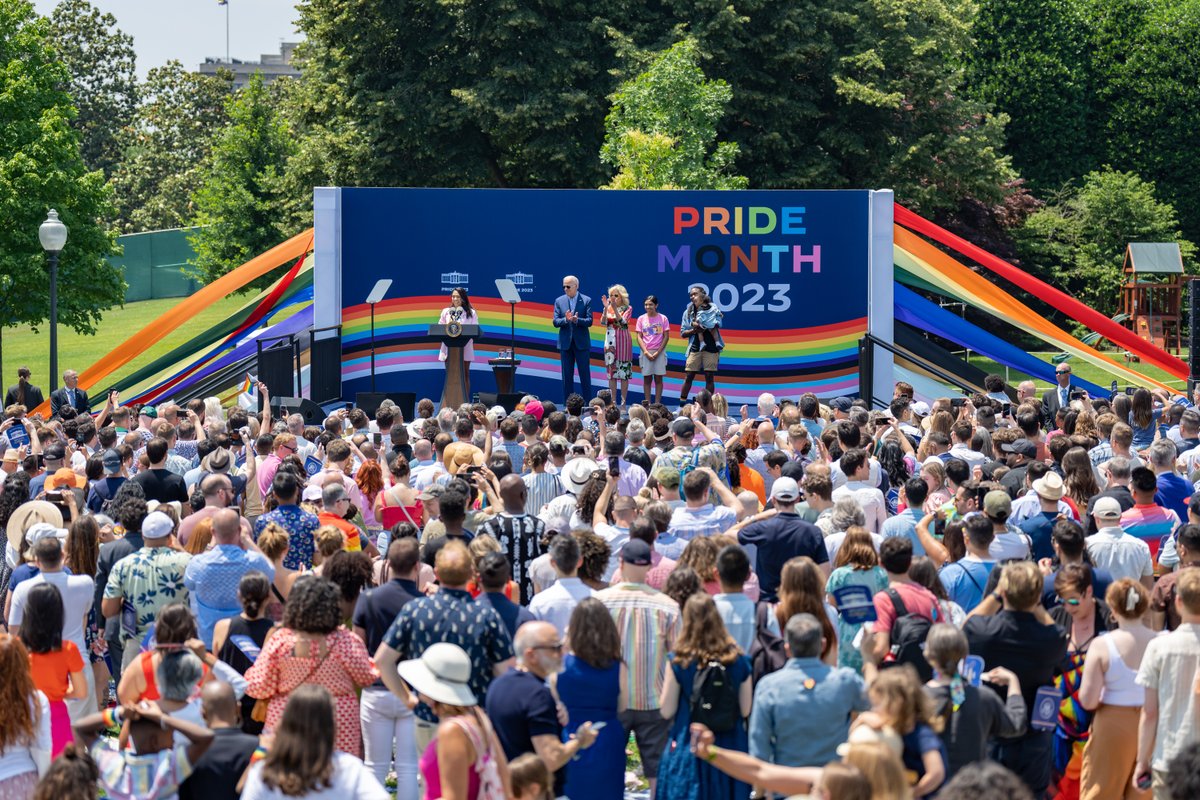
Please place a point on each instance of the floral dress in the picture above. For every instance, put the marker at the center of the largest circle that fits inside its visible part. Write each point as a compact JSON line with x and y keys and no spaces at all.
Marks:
{"x":618,"y":344}
{"x":347,"y":668}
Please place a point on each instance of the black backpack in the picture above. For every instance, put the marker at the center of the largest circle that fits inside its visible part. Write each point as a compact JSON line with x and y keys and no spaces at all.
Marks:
{"x":908,"y":635}
{"x":767,"y":652}
{"x":714,"y":701}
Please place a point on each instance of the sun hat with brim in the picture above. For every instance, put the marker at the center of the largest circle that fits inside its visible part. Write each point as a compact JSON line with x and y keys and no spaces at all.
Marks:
{"x":461,"y":454}
{"x":576,"y":473}
{"x":1049,"y":486}
{"x":441,"y":674}
{"x":29,"y":514}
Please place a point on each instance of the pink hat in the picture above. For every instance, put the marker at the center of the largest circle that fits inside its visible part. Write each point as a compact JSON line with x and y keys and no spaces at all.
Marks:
{"x":534,"y":409}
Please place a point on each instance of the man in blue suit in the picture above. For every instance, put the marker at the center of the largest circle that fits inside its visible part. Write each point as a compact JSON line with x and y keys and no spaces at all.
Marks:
{"x":573,"y":317}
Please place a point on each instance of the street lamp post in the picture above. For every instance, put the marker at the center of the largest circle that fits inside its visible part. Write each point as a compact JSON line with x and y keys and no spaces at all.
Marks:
{"x":53,"y":236}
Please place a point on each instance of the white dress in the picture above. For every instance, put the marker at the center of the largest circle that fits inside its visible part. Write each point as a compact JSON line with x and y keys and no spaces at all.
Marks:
{"x":465,"y":319}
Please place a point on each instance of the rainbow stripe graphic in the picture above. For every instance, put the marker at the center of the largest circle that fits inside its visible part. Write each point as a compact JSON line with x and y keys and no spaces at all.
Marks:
{"x":821,"y":359}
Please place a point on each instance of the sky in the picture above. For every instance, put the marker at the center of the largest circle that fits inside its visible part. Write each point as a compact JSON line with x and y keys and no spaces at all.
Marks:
{"x":191,"y":30}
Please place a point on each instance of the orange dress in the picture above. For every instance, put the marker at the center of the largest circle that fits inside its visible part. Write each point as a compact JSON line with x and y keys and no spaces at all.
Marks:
{"x":346,"y":669}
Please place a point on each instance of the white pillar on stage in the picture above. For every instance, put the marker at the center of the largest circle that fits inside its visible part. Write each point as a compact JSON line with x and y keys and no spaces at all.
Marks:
{"x":881,"y":304}
{"x":327,"y":255}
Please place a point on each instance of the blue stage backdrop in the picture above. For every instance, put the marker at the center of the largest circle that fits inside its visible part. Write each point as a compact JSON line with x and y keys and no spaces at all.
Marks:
{"x":789,"y":269}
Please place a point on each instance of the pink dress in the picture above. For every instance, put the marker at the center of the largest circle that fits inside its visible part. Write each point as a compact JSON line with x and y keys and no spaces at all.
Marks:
{"x":433,"y":776}
{"x":346,"y":669}
{"x":465,"y":319}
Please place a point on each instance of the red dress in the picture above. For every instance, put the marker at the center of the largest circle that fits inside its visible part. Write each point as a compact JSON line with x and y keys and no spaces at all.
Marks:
{"x":347,"y":668}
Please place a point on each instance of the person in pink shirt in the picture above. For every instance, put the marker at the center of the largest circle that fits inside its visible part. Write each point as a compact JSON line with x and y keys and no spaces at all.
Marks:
{"x":284,"y":446}
{"x":653,"y":330}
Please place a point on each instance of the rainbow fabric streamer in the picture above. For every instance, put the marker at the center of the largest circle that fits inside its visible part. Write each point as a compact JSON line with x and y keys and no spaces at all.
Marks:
{"x":935,"y":268}
{"x":924,"y":315}
{"x":1149,"y":353}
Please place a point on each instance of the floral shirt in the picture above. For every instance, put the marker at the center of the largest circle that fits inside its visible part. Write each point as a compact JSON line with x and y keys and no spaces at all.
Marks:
{"x":300,"y":526}
{"x":452,"y":616}
{"x":147,"y":581}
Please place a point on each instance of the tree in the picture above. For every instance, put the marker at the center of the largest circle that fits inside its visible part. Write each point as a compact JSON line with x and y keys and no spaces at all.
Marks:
{"x":240,"y":202}
{"x":100,"y":60}
{"x":1032,"y":60}
{"x":166,"y":146}
{"x":1145,"y":51}
{"x":904,"y":119}
{"x":41,"y":168}
{"x":452,"y":93}
{"x":662,"y":128}
{"x":1077,"y":242}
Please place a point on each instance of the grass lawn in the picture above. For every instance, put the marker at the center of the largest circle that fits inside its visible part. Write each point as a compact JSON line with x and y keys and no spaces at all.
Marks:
{"x":24,"y":347}
{"x":1083,"y":370}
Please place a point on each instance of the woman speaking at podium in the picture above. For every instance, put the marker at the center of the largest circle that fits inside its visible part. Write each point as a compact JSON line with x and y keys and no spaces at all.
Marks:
{"x":460,"y":311}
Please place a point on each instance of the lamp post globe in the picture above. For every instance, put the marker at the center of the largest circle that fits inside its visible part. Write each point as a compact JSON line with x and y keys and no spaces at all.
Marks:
{"x":53,"y":235}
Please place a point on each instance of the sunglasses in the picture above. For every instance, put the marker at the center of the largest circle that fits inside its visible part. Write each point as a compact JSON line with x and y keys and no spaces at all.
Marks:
{"x":1074,"y":601}
{"x":556,"y":647}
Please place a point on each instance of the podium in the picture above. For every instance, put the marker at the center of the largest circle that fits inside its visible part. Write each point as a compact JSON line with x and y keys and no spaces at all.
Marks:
{"x":455,"y":336}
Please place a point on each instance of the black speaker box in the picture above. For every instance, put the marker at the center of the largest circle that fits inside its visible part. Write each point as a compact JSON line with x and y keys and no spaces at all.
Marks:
{"x":281,"y":407}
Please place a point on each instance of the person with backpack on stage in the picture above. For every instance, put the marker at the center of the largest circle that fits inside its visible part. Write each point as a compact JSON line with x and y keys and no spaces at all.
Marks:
{"x":707,"y":681}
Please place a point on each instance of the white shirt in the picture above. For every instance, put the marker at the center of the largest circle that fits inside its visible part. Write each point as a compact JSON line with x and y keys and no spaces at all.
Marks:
{"x":869,"y":498}
{"x":554,"y":605}
{"x":351,"y":779}
{"x":974,"y":458}
{"x":707,"y":520}
{"x":1123,"y":555}
{"x":1170,"y":668}
{"x":838,"y":478}
{"x":78,"y":593}
{"x":1030,"y":505}
{"x":616,"y":538}
{"x":1010,"y":545}
{"x":19,"y":759}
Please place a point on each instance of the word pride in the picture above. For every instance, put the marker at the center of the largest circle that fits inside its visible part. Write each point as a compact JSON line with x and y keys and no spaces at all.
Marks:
{"x":739,"y":221}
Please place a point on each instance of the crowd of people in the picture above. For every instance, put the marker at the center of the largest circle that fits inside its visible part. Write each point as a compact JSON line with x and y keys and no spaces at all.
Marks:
{"x":995,"y":596}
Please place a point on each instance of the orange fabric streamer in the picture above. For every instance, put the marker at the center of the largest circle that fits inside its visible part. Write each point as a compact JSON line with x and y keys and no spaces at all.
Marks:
{"x":139,"y":342}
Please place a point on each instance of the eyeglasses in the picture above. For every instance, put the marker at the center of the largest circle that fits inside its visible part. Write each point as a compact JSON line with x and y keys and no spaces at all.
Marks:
{"x":1072,"y":601}
{"x":556,"y":647}
{"x":1062,"y":372}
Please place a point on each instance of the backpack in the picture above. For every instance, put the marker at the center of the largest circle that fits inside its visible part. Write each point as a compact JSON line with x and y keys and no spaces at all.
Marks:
{"x":714,"y":700}
{"x":767,"y":652}
{"x":908,"y":636}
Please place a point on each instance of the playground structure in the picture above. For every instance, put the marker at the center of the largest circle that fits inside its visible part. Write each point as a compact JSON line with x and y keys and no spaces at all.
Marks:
{"x":1152,"y":308}
{"x":925,"y":258}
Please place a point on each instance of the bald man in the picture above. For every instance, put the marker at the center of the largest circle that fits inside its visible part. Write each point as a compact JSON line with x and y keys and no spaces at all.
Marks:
{"x":218,"y":493}
{"x":518,"y":533}
{"x":573,"y":317}
{"x":212,"y":577}
{"x":215,"y":776}
{"x":523,"y":711}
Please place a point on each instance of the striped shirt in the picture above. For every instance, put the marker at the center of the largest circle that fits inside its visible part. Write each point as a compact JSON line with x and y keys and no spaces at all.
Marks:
{"x":1151,"y":523}
{"x":542,"y":487}
{"x":648,"y":622}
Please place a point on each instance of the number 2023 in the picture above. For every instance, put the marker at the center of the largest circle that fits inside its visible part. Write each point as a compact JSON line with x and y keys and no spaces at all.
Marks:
{"x":727,"y":297}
